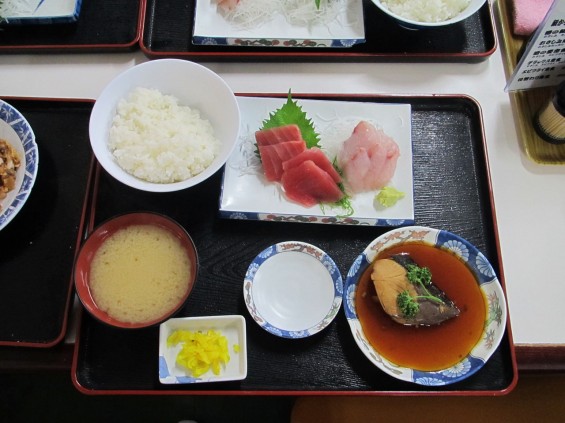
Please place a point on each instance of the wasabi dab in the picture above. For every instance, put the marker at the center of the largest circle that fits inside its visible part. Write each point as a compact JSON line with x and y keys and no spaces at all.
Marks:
{"x":388,"y":196}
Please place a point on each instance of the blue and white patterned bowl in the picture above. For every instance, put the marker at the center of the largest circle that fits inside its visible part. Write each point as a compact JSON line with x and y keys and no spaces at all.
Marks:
{"x":495,"y":318}
{"x":16,"y":130}
{"x":293,"y":289}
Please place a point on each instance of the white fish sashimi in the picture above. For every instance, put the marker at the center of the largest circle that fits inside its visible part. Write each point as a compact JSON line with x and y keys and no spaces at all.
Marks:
{"x":368,"y":158}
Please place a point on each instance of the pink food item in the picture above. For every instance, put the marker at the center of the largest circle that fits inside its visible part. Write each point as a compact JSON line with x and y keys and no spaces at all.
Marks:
{"x":278,"y":134}
{"x":273,"y":156}
{"x":318,"y":157}
{"x":276,"y":145}
{"x":368,"y":158}
{"x":528,"y":15}
{"x":227,"y":5}
{"x":308,"y":185}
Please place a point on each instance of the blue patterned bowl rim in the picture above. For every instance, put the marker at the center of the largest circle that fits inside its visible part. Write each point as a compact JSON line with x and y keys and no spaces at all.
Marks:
{"x":18,"y":123}
{"x":302,"y":247}
{"x":496,"y":312}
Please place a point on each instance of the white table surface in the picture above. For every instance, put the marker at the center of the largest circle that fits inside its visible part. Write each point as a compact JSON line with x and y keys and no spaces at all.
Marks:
{"x":529,"y":198}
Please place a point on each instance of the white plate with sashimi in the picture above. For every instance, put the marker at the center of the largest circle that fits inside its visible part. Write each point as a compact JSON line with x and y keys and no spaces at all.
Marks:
{"x":279,"y":23}
{"x":320,"y":161}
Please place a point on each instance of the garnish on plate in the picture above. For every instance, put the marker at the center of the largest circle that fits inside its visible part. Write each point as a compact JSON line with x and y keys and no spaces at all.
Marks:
{"x":389,"y":196}
{"x":292,"y":114}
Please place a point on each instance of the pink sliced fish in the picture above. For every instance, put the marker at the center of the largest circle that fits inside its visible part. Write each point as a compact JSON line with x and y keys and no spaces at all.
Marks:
{"x":228,"y":5}
{"x":318,"y":157}
{"x":368,"y":158}
{"x":278,"y":134}
{"x":308,"y":185}
{"x":273,"y":156}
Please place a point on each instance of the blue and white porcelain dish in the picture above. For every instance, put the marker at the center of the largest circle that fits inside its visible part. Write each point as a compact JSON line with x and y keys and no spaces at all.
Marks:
{"x":247,"y":195}
{"x":495,"y":318}
{"x":293,"y":289}
{"x":15,"y":129}
{"x":39,"y":12}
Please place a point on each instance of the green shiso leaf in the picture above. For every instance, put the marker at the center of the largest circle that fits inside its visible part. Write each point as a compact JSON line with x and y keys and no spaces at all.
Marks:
{"x":317,"y":4}
{"x":291,"y":113}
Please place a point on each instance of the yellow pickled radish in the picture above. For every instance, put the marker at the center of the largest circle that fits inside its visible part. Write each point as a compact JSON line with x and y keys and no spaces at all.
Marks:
{"x":200,"y":351}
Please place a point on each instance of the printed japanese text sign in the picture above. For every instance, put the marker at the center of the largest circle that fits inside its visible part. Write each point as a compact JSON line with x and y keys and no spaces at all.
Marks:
{"x":543,"y":61}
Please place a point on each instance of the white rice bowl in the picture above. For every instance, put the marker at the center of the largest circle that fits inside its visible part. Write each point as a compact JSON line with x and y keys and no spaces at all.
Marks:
{"x":164,"y":125}
{"x":429,"y":13}
{"x":156,"y":139}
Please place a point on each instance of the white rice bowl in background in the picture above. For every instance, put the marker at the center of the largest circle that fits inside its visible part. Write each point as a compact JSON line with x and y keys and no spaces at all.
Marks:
{"x":428,"y":13}
{"x":173,"y":100}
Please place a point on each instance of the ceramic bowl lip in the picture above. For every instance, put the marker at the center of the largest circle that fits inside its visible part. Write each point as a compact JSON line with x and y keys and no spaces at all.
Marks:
{"x":472,"y":8}
{"x":18,"y":127}
{"x":106,"y":103}
{"x":100,"y":234}
{"x":493,"y":293}
{"x":334,"y":288}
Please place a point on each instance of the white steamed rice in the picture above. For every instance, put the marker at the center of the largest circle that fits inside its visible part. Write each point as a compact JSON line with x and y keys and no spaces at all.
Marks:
{"x":426,"y":10}
{"x":156,"y":139}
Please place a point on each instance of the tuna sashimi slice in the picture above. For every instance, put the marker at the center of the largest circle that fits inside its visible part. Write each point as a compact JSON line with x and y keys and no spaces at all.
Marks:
{"x":308,"y":185}
{"x":273,"y":156}
{"x":368,"y":158}
{"x":318,"y":157}
{"x":278,"y":134}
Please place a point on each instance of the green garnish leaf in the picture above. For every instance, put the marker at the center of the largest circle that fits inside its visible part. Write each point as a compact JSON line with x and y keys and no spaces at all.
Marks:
{"x":317,"y":4}
{"x":291,"y":113}
{"x":345,"y":202}
{"x":418,"y":275}
{"x":407,"y":304}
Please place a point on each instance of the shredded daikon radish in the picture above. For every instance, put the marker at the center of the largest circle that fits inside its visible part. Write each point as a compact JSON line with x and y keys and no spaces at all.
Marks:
{"x":14,"y":8}
{"x":305,"y":12}
{"x":253,"y":13}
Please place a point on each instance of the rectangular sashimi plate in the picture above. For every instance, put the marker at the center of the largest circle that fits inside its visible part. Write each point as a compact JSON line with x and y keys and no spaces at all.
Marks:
{"x":247,"y":194}
{"x":341,"y":27}
{"x":39,"y":12}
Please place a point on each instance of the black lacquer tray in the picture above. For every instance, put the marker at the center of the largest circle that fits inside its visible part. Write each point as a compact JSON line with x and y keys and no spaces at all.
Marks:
{"x":167,"y":32}
{"x":452,"y":191}
{"x":102,"y":26}
{"x":38,"y":246}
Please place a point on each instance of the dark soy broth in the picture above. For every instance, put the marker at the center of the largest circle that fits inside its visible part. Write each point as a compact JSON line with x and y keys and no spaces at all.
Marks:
{"x":425,"y":348}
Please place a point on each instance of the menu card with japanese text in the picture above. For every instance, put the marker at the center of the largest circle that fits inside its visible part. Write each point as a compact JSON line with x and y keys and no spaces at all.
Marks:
{"x":543,"y":61}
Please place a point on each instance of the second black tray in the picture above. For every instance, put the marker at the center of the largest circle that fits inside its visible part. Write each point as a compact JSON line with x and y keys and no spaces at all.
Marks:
{"x":37,"y":248}
{"x":167,"y":32}
{"x":452,"y":191}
